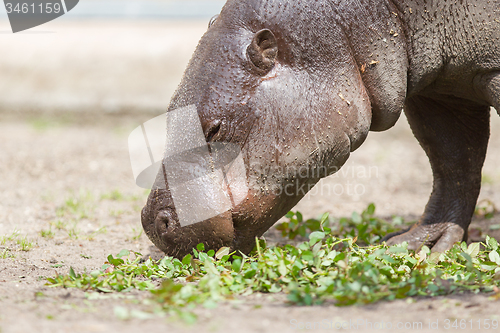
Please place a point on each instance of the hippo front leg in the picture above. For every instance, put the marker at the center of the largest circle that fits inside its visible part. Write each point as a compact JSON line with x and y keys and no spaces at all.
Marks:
{"x":489,"y":86}
{"x":454,"y":134}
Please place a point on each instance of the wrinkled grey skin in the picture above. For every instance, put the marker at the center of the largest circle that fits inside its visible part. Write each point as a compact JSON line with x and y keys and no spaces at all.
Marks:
{"x":299,"y":84}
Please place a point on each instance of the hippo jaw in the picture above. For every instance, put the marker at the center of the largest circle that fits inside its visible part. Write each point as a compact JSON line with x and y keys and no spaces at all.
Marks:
{"x":235,"y":228}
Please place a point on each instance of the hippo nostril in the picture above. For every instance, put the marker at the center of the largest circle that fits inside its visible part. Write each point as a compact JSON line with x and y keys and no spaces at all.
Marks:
{"x":164,"y":222}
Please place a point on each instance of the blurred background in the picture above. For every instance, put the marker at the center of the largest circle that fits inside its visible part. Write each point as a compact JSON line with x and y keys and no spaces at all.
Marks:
{"x":71,"y":91}
{"x":111,"y":56}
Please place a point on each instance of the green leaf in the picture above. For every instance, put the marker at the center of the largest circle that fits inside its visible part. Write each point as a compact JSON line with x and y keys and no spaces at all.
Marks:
{"x":187,"y":259}
{"x":72,"y":273}
{"x":299,"y":217}
{"x":495,"y":257}
{"x":398,"y":249}
{"x":250,"y":274}
{"x":282,"y":268}
{"x":95,"y":274}
{"x":236,"y":265}
{"x":316,"y":237}
{"x":115,"y":262}
{"x":473,"y":249}
{"x":466,"y":256}
{"x":371,"y":209}
{"x":123,"y":253}
{"x":307,"y":255}
{"x":492,"y":243}
{"x":223,"y":251}
{"x":324,"y":218}
{"x":356,"y":218}
{"x":401,"y":292}
{"x":435,"y":257}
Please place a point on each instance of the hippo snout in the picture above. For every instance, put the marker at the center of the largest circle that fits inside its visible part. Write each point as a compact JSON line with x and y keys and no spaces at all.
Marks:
{"x":164,"y":230}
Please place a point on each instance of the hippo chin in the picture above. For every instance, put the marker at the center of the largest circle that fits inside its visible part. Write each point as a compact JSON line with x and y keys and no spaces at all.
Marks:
{"x":297,"y":86}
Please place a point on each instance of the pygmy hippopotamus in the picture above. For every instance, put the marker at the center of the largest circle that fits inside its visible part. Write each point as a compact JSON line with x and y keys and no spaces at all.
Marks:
{"x":297,"y":85}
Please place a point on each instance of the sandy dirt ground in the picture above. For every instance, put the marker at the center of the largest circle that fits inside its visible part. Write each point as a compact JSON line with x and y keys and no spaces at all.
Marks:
{"x":68,"y":191}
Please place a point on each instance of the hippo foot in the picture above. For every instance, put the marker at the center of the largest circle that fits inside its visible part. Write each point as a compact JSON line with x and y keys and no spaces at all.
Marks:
{"x":439,"y":237}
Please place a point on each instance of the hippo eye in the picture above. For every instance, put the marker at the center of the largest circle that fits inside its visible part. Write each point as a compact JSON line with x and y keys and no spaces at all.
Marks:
{"x":263,"y":50}
{"x":212,"y":20}
{"x":213,"y":131}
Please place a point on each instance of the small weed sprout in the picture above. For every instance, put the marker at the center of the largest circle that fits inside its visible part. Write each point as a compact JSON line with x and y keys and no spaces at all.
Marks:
{"x":47,"y":233}
{"x":6,"y":253}
{"x":25,"y":244}
{"x":114,"y":195}
{"x":79,"y":206}
{"x":59,"y":224}
{"x":136,"y":234}
{"x":10,"y":238}
{"x":99,"y":231}
{"x":74,"y":232}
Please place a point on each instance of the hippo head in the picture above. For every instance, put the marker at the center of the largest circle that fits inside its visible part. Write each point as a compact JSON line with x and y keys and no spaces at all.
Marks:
{"x":289,"y":94}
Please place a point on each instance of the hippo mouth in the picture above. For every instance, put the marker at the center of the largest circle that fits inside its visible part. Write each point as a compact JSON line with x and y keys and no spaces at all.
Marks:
{"x":236,"y":228}
{"x":165,"y":231}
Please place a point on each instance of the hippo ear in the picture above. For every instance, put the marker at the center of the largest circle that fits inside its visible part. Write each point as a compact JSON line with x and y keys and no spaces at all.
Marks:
{"x":263,"y":50}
